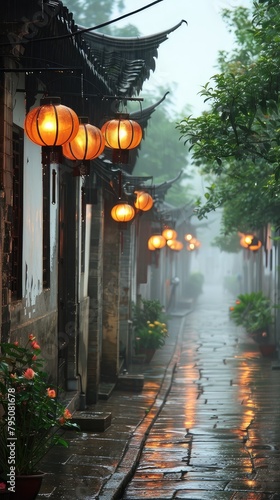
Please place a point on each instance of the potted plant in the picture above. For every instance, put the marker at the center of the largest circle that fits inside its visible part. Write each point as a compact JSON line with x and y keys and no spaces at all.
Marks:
{"x":149,"y":327}
{"x":254,"y":312}
{"x":31,"y":418}
{"x":194,"y":286}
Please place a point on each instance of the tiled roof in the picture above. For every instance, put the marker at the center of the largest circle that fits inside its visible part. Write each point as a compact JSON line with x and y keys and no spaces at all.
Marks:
{"x":125,"y":62}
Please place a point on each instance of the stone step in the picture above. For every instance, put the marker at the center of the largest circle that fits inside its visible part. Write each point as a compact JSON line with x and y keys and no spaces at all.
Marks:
{"x":90,"y":421}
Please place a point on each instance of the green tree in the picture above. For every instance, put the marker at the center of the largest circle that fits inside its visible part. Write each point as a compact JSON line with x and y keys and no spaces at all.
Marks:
{"x":237,"y":141}
{"x":90,"y":14}
{"x":161,"y":155}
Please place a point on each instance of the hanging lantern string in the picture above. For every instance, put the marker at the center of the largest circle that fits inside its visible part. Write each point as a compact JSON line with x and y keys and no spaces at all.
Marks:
{"x":120,"y":184}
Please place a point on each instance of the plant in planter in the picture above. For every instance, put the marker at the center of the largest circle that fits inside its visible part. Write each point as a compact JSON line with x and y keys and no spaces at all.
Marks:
{"x":254,"y":312}
{"x":31,"y":417}
{"x":194,"y":285}
{"x":149,"y":327}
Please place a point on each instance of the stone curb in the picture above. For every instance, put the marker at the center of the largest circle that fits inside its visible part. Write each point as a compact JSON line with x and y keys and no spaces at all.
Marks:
{"x":115,"y":486}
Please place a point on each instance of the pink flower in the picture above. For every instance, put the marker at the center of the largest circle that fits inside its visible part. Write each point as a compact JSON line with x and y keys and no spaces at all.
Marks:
{"x":29,"y":374}
{"x":13,"y":375}
{"x":34,"y":357}
{"x":31,"y":337}
{"x":51,"y":393}
{"x":35,"y":345}
{"x":16,"y":344}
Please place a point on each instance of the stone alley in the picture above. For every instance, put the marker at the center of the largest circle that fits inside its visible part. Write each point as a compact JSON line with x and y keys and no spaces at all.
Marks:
{"x":207,"y":421}
{"x":218,"y":434}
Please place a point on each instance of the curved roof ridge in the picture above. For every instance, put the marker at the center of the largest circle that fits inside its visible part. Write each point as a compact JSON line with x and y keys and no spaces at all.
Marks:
{"x":115,"y":41}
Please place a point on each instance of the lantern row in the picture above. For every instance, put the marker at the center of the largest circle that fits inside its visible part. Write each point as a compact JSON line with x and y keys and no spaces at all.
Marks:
{"x":53,"y":124}
{"x":169,"y":237}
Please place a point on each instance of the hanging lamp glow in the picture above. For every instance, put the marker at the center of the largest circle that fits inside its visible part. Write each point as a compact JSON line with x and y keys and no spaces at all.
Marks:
{"x":121,"y":134}
{"x":169,"y":234}
{"x":143,"y":201}
{"x":157,"y":241}
{"x":175,"y":245}
{"x":51,"y":123}
{"x":251,"y":242}
{"x":191,"y":247}
{"x":88,"y":144}
{"x":122,"y":212}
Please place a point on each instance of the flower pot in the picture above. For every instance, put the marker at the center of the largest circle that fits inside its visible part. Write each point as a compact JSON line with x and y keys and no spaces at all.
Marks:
{"x":148,"y":353}
{"x":268,"y":350}
{"x":27,"y":486}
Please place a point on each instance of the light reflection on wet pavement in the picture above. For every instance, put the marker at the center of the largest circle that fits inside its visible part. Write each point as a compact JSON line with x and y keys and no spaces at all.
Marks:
{"x":218,"y":435}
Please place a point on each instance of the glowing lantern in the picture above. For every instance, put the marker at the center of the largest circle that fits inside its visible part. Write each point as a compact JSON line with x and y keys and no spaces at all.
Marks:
{"x":251,"y":242}
{"x":191,"y":247}
{"x":188,"y":237}
{"x":169,"y":234}
{"x":157,"y":241}
{"x":175,"y":245}
{"x":150,"y":245}
{"x":143,"y":201}
{"x":121,"y":132}
{"x":122,"y":212}
{"x":51,"y":124}
{"x":88,"y":143}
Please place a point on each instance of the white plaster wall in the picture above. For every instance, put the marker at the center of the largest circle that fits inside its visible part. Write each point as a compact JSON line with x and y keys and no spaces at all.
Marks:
{"x":32,"y":252}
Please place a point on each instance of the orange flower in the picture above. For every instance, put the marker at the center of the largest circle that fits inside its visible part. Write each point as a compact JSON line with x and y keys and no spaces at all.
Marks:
{"x":51,"y":393}
{"x":29,"y":374}
{"x":67,"y":415}
{"x":62,"y":420}
{"x":35,"y":345}
{"x":231,"y":308}
{"x":34,"y":357}
{"x":237,"y":301}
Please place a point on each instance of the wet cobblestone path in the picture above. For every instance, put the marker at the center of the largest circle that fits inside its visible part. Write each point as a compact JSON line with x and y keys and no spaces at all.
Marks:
{"x":218,"y":435}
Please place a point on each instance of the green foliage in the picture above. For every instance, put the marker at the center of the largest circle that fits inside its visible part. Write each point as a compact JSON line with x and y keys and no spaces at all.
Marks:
{"x":195,"y":285}
{"x":30,"y":413}
{"x":253,"y":311}
{"x":151,"y":336}
{"x":237,"y":140}
{"x":229,"y":243}
{"x":149,"y":323}
{"x":161,"y":155}
{"x":86,"y":14}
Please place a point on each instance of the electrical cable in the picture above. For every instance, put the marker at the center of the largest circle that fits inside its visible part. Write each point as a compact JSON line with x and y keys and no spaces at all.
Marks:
{"x":84,"y":30}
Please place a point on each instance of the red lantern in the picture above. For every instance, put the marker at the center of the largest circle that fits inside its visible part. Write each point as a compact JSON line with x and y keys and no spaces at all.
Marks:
{"x":88,"y":144}
{"x":51,"y":124}
{"x":122,"y":212}
{"x":143,"y":201}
